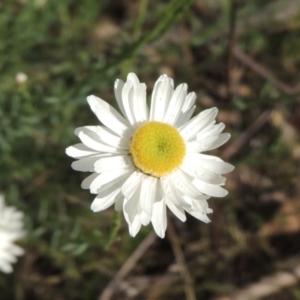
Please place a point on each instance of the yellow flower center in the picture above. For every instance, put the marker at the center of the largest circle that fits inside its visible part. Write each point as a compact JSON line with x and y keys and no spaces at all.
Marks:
{"x":157,"y":148}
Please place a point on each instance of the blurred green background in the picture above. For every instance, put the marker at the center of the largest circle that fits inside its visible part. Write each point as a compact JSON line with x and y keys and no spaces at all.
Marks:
{"x":241,"y":56}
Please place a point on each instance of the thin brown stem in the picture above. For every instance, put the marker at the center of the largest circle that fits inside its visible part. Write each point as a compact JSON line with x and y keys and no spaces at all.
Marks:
{"x":238,"y":144}
{"x":179,"y":256}
{"x":263,"y":72}
{"x":128,"y":266}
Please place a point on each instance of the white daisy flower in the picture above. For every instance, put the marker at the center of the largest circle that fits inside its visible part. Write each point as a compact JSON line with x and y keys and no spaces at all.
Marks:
{"x":11,"y":229}
{"x":150,"y":159}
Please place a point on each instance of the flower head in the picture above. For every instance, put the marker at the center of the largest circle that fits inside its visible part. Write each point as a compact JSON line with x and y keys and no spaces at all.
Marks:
{"x":148,"y":159}
{"x":11,"y":229}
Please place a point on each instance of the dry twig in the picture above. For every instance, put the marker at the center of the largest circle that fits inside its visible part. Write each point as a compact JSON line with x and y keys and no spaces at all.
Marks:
{"x":128,"y":266}
{"x":235,"y":147}
{"x":263,"y":72}
{"x":179,"y":256}
{"x":268,"y":285}
{"x":238,"y":144}
{"x":38,"y":181}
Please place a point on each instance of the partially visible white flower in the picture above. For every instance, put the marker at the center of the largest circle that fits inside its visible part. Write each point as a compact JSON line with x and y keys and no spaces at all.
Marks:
{"x":151,"y":158}
{"x":11,"y":229}
{"x":21,"y":77}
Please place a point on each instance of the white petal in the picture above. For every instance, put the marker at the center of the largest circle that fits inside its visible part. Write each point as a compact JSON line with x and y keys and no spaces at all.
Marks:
{"x":127,"y":95}
{"x":208,"y":176}
{"x":16,"y":250}
{"x":196,"y":124}
{"x":111,"y":118}
{"x":131,"y":189}
{"x":185,"y":117}
{"x":86,"y":183}
{"x":176,"y":104}
{"x":170,"y":190}
{"x":7,"y":256}
{"x":108,"y":179}
{"x":209,"y":143}
{"x":86,"y":164}
{"x":178,"y":211}
{"x":139,"y":108}
{"x":133,"y":78}
{"x":79,"y":151}
{"x":159,"y":217}
{"x":145,"y":219}
{"x":112,"y":163}
{"x":109,"y":187}
{"x":125,"y":212}
{"x":194,"y":168}
{"x":213,"y":129}
{"x":134,"y":100}
{"x":201,"y":206}
{"x":5,"y":267}
{"x":94,"y":101}
{"x":131,"y":184}
{"x":148,"y":191}
{"x":210,"y":189}
{"x":187,"y":109}
{"x":212,"y":163}
{"x":119,"y":202}
{"x":101,"y":203}
{"x":131,"y":204}
{"x":85,"y":129}
{"x":189,"y":101}
{"x":223,"y":138}
{"x":114,"y":184}
{"x":206,"y":156}
{"x":200,"y":216}
{"x":119,"y":84}
{"x":111,"y":139}
{"x":1,"y":203}
{"x":135,"y":226}
{"x":160,"y":99}
{"x":92,"y":141}
{"x":184,"y":185}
